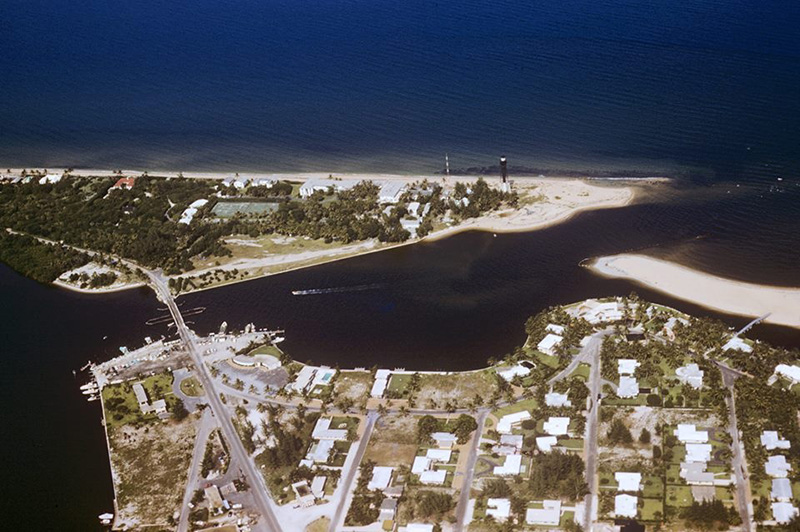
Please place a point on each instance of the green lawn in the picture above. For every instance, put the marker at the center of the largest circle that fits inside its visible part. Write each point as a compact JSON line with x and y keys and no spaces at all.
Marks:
{"x":268,"y":349}
{"x":399,"y":383}
{"x":573,"y":444}
{"x":679,"y":496}
{"x":121,"y":405}
{"x":653,"y":487}
{"x":528,"y":404}
{"x":649,"y":509}
{"x":191,"y":387}
{"x":582,"y":371}
{"x":547,"y":360}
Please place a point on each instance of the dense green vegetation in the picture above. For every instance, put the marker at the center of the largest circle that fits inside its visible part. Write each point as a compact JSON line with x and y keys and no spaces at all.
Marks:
{"x":711,"y":515}
{"x":462,"y":427}
{"x":557,"y":475}
{"x":141,"y":223}
{"x":38,"y":260}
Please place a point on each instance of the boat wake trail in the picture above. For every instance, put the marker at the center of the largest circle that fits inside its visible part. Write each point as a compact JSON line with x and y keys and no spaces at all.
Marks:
{"x":336,"y":290}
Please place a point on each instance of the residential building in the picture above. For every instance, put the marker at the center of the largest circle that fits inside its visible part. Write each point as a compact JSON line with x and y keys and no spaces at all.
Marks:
{"x":690,"y":374}
{"x":771,"y":440}
{"x":698,"y":452}
{"x":388,"y":510}
{"x":439,"y":455}
{"x":381,"y":382}
{"x":556,"y":426}
{"x":508,"y":374}
{"x":499,"y":509}
{"x":625,"y":505}
{"x":628,"y":387}
{"x":548,"y":515}
{"x":444,"y":440}
{"x":628,"y":481}
{"x":555,"y":329}
{"x":781,"y":489}
{"x":433,"y":477}
{"x":391,"y":191}
{"x":783,"y":512}
{"x":338,"y":185}
{"x":509,"y":444}
{"x":381,"y":477}
{"x":509,"y":421}
{"x":322,"y":431}
{"x":737,"y":344}
{"x":546,"y":443}
{"x":141,"y":398}
{"x":688,"y":433}
{"x":318,"y":486}
{"x":627,"y":366}
{"x":549,"y":343}
{"x":124,"y":183}
{"x":420,"y":465}
{"x":557,"y":399}
{"x":792,"y":373}
{"x":777,"y":466}
{"x":511,"y":466}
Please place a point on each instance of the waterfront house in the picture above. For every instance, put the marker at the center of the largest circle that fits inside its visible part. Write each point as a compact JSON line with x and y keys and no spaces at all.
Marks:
{"x":549,"y":343}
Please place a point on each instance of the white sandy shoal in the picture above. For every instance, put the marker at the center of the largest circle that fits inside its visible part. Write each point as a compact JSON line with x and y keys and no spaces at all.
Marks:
{"x":710,"y":291}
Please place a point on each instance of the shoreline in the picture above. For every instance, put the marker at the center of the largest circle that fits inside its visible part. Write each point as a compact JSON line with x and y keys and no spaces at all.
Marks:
{"x":721,"y":294}
{"x":482,"y":224}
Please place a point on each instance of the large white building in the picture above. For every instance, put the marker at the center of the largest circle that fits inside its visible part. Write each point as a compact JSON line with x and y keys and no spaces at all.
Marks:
{"x":512,"y":466}
{"x":509,"y":421}
{"x":549,"y":343}
{"x":548,"y":515}
{"x":313,"y":185}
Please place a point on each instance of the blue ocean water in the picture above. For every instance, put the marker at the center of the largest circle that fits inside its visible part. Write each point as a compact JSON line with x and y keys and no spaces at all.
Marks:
{"x":701,"y":87}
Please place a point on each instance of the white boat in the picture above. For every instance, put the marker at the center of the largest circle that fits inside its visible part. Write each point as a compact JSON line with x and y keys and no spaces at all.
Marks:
{"x":89,"y":392}
{"x":89,"y":385}
{"x":278,"y":340}
{"x":93,"y":398}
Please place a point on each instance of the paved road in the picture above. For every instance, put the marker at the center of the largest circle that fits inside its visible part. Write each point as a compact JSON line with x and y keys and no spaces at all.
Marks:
{"x":347,"y":482}
{"x":463,"y":500}
{"x":238,"y":452}
{"x":207,"y":424}
{"x":738,"y":462}
{"x":592,"y":353}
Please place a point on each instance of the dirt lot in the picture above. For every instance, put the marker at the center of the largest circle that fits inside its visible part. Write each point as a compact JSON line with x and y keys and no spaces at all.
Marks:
{"x":151,"y":465}
{"x":393,"y":441}
{"x":458,"y":388}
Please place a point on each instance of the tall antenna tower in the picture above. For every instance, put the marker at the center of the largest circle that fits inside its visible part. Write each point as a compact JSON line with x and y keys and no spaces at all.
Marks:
{"x":447,"y":164}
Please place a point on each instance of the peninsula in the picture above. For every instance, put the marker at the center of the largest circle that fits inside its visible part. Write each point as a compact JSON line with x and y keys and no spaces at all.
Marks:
{"x":206,"y":230}
{"x":782,"y":305}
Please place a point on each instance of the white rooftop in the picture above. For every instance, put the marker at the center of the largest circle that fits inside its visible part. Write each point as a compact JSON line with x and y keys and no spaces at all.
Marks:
{"x":771,"y":440}
{"x":781,"y":488}
{"x":508,"y":421}
{"x":318,"y":486}
{"x":688,"y":433}
{"x":777,"y":466}
{"x":433,"y":477}
{"x":783,"y":512}
{"x":444,"y":439}
{"x":627,"y":366}
{"x":381,"y":476}
{"x":698,"y":452}
{"x":418,"y":527}
{"x":322,"y":431}
{"x":508,"y":374}
{"x":320,"y":451}
{"x":545,"y":443}
{"x":510,"y":467}
{"x":421,"y":463}
{"x":557,"y":399}
{"x":628,"y":387}
{"x":555,"y":329}
{"x":625,"y":506}
{"x":737,"y":344}
{"x":628,"y":481}
{"x":556,"y":426}
{"x":596,"y":312}
{"x":690,"y":374}
{"x":790,"y":372}
{"x":550,"y":514}
{"x":439,"y":455}
{"x":548,"y":343}
{"x":500,"y":509}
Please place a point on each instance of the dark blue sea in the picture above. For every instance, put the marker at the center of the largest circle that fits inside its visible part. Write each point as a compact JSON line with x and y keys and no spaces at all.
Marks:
{"x":687,"y":87}
{"x":705,"y":91}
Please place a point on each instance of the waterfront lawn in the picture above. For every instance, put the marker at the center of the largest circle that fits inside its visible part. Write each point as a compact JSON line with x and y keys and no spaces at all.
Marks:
{"x":122,"y":408}
{"x":457,"y":388}
{"x":398,"y":385}
{"x":354,"y":385}
{"x":267,"y":349}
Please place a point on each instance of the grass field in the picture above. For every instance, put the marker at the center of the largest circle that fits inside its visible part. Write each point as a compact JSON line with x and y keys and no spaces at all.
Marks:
{"x":680,"y":496}
{"x":267,"y":349}
{"x":191,"y":387}
{"x":398,"y":384}
{"x":528,"y":404}
{"x":227,"y":209}
{"x":651,"y":510}
{"x":582,"y":371}
{"x":121,"y":405}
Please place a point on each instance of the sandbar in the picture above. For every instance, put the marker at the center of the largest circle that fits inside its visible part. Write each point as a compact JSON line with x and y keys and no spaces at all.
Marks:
{"x":704,"y":289}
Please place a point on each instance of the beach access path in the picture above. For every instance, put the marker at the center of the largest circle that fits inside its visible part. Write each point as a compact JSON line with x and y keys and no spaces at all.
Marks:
{"x":710,"y":291}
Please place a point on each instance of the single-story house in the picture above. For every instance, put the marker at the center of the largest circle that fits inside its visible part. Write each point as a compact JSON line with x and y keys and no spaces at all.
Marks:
{"x":549,"y":343}
{"x":512,"y":466}
{"x":549,"y":514}
{"x":771,"y":440}
{"x":628,"y":481}
{"x":556,"y":426}
{"x":500,"y":509}
{"x":625,"y":505}
{"x":688,"y":433}
{"x":381,"y":477}
{"x":507,"y":422}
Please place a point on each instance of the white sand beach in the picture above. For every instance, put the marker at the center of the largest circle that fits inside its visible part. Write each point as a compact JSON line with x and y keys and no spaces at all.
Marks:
{"x":710,"y":291}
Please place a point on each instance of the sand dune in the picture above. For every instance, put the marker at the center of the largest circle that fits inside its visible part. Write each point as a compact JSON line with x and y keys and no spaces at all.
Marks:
{"x":710,"y":291}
